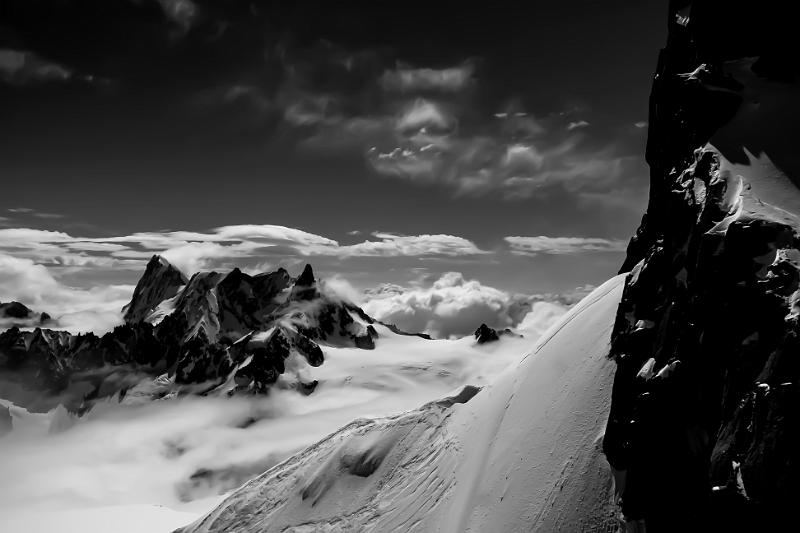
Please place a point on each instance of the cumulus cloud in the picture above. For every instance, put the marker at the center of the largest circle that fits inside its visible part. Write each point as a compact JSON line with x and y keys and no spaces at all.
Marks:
{"x":452,"y":306}
{"x":563,"y":245}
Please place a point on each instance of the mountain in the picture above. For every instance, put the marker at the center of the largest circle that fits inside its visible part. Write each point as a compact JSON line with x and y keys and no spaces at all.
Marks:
{"x":668,"y":399}
{"x":216,"y":332}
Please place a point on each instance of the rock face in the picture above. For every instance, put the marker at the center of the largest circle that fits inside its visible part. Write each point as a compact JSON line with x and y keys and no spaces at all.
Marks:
{"x":704,"y":426}
{"x":229,"y":333}
{"x":160,"y":282}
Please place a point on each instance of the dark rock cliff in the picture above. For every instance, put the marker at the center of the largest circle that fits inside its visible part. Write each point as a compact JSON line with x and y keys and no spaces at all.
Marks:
{"x":704,"y":428}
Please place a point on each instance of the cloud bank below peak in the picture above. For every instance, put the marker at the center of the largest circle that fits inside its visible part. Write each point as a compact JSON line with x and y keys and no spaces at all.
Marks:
{"x":453,"y":306}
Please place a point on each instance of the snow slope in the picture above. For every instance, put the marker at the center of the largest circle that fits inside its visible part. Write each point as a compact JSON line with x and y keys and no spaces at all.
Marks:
{"x":523,"y":454}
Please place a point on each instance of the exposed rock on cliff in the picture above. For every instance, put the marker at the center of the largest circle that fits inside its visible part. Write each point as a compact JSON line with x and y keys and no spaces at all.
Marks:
{"x":704,"y":428}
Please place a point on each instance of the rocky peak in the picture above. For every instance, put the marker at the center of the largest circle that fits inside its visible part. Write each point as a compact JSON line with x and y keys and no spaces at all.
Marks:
{"x":486,"y":334}
{"x":159,"y":282}
{"x":305,"y":286}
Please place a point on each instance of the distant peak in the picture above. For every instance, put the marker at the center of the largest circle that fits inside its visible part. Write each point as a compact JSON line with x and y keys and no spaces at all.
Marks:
{"x":306,"y":279}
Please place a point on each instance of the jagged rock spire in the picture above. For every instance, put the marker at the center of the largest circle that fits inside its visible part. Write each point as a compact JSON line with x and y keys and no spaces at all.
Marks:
{"x":305,"y":286}
{"x":161,"y":281}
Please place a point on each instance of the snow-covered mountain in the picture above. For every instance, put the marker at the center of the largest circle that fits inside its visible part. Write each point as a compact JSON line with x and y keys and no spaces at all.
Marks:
{"x":216,"y":332}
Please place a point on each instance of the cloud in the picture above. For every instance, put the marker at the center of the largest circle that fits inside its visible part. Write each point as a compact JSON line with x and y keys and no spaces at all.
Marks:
{"x":184,"y":13}
{"x":451,"y":307}
{"x":423,"y":115}
{"x":393,"y":245}
{"x":33,"y":212}
{"x":578,"y":124}
{"x":563,"y":245}
{"x":23,"y":67}
{"x":192,"y":251}
{"x":420,"y":124}
{"x":406,"y":79}
{"x":518,"y":156}
{"x":94,"y":309}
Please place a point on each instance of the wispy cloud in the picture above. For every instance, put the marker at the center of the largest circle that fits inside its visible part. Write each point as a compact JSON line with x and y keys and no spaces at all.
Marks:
{"x":563,"y":245}
{"x":427,"y":125}
{"x":408,"y":79}
{"x":23,"y":67}
{"x":26,"y":211}
{"x":393,"y":245}
{"x":577,"y":124}
{"x":193,"y":251}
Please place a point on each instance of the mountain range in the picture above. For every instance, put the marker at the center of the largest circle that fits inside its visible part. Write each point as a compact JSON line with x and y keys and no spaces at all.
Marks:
{"x":212,"y":333}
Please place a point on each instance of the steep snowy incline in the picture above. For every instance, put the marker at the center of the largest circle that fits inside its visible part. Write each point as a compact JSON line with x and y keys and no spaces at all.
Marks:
{"x":522,"y":454}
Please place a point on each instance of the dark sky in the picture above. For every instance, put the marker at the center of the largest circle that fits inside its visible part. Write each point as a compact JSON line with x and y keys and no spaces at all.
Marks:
{"x":337,"y":118}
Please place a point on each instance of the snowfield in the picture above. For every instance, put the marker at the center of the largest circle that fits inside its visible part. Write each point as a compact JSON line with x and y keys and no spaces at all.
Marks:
{"x":153,"y":466}
{"x":523,"y":454}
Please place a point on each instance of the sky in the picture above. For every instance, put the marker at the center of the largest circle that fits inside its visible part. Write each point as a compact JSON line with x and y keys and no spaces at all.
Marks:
{"x":381,"y":142}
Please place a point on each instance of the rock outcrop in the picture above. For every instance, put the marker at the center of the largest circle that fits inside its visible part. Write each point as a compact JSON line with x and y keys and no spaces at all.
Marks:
{"x":486,"y":334}
{"x":18,"y":314}
{"x":704,"y":426}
